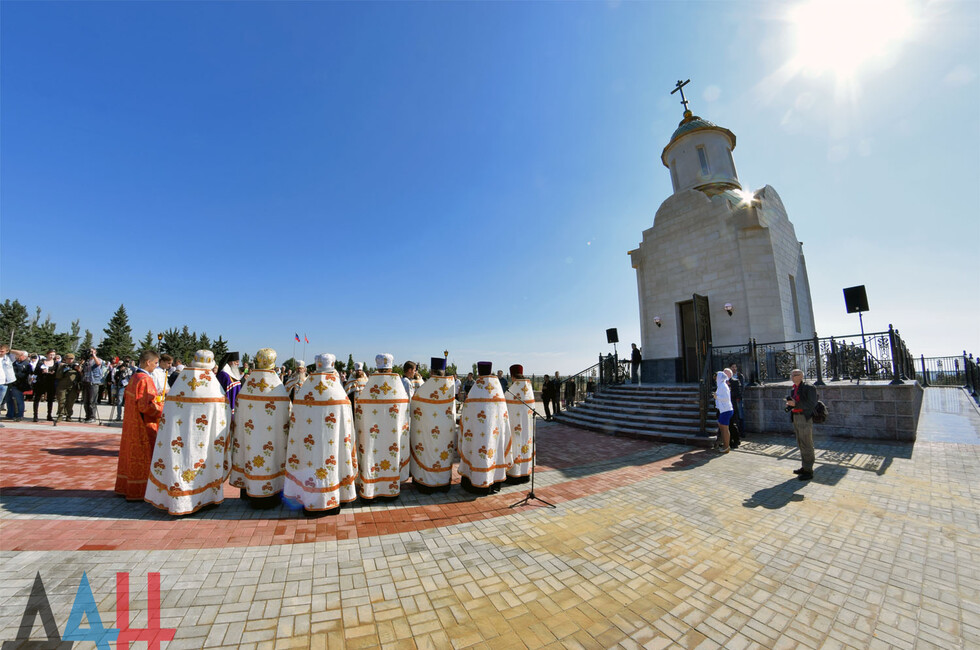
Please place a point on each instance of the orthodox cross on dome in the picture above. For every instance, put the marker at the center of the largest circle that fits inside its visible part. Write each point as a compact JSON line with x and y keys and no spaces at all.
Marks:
{"x":680,"y":87}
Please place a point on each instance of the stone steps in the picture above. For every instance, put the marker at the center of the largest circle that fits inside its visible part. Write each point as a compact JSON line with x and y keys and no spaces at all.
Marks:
{"x":667,"y":413}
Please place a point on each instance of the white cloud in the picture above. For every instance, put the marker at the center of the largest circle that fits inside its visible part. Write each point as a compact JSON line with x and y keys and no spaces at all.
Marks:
{"x":961,"y":75}
{"x":711,"y":93}
{"x":838,"y":153}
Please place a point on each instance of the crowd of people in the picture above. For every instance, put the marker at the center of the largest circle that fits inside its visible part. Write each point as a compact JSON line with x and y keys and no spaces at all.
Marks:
{"x":314,"y":435}
{"x":51,"y":378}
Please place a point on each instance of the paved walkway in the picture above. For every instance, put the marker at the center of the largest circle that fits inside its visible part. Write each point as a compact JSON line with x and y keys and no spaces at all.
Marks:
{"x":651,"y":545}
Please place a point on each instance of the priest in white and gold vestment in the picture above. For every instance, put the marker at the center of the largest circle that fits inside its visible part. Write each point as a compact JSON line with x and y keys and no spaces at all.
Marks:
{"x":259,"y":428}
{"x":433,"y":430}
{"x":321,"y":465}
{"x":485,"y":439}
{"x":520,"y":408}
{"x":381,"y":418}
{"x":192,"y":456}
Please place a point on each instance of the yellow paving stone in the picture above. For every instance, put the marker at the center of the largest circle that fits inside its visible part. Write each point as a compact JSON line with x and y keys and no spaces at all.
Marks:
{"x":561,"y":625}
{"x":394,"y":610}
{"x":491,"y":627}
{"x":519,"y":611}
{"x":509,"y":640}
{"x":582,"y":639}
{"x":544,"y":632}
{"x":402,"y":628}
{"x":446,"y":616}
{"x":463,"y":636}
{"x":359,"y":631}
{"x":610,"y":637}
{"x":386,"y":632}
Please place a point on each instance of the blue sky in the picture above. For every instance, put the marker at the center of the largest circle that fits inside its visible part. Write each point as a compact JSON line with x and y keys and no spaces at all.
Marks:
{"x":414,"y":177}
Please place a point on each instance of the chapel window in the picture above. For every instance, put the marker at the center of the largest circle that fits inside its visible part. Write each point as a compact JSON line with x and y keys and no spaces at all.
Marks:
{"x":796,"y":303}
{"x":703,"y":158}
{"x":673,"y":175}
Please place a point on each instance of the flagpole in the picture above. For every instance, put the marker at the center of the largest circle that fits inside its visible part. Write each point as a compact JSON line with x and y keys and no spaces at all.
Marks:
{"x":294,"y":350}
{"x":305,"y":341}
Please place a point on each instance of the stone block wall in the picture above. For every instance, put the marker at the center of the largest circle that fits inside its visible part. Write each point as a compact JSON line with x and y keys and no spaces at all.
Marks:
{"x":874,"y":411}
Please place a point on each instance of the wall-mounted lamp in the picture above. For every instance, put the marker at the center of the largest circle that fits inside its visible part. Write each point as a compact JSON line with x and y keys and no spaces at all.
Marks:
{"x":730,"y":308}
{"x":656,"y":319}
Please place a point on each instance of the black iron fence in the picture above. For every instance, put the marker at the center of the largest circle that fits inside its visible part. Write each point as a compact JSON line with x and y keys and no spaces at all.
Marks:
{"x":961,"y":370}
{"x":878,"y":355}
{"x":574,"y":388}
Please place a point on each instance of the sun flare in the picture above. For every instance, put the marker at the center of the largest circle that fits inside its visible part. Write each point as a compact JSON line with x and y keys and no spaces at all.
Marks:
{"x":841,"y":37}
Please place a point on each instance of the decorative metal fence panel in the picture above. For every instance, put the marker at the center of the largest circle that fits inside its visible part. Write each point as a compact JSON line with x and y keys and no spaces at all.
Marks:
{"x":877,"y":356}
{"x":942,"y":371}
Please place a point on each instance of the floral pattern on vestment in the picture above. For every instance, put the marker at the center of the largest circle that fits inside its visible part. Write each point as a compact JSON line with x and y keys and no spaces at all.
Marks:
{"x":381,"y":417}
{"x":433,"y":432}
{"x":259,"y":432}
{"x":485,"y":439}
{"x":192,"y":456}
{"x":321,"y":465}
{"x":522,"y":425}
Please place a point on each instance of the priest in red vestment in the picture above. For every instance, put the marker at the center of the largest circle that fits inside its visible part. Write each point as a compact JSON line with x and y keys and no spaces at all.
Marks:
{"x":143,"y":408}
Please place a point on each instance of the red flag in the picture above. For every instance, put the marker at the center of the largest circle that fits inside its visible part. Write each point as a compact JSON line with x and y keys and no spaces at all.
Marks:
{"x":305,"y":339}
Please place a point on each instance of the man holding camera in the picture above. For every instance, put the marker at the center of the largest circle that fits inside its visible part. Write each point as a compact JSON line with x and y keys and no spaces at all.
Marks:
{"x":800,"y":403}
{"x":91,"y":382}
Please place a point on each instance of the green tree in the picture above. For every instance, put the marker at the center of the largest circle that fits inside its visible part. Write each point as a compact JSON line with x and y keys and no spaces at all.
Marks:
{"x":86,"y":344}
{"x":204,"y":343}
{"x":148,"y":342}
{"x":350,"y":363}
{"x":71,"y":341}
{"x":219,"y":347}
{"x":118,"y":341}
{"x":45,"y":337}
{"x":13,"y":324}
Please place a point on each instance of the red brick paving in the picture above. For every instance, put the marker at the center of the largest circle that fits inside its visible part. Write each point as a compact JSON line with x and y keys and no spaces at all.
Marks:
{"x":61,"y":463}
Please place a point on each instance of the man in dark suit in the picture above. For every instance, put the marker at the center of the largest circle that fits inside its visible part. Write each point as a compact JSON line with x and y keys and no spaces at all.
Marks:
{"x":547,"y":392}
{"x":800,"y":403}
{"x":636,"y":357}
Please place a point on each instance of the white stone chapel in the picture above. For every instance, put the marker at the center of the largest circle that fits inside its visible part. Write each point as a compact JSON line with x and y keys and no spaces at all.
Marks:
{"x":733,"y":246}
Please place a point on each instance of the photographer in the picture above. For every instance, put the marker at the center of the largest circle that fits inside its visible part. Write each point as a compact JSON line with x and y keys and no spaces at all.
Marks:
{"x":91,"y":383}
{"x":800,"y":403}
{"x":120,"y":379}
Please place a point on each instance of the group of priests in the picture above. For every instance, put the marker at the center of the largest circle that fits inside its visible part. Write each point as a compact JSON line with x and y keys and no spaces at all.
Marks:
{"x":318,"y":450}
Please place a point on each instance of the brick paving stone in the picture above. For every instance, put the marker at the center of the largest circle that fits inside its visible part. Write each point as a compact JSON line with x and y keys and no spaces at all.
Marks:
{"x":651,"y":545}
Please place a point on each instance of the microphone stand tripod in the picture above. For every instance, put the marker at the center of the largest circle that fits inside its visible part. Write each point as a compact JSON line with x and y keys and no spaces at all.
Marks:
{"x":534,"y":459}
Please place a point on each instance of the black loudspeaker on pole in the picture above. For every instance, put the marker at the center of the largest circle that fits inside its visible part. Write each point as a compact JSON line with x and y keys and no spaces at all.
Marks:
{"x":856,"y":299}
{"x":612,"y":336}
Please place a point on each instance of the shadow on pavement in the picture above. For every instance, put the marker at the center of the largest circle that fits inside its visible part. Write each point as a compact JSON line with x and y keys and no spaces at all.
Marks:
{"x":83,"y":451}
{"x":693,"y":460}
{"x":777,"y":496}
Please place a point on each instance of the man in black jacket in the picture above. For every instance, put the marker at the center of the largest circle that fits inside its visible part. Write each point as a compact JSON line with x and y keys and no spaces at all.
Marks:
{"x":636,"y":357}
{"x":800,"y":403}
{"x":547,"y":392}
